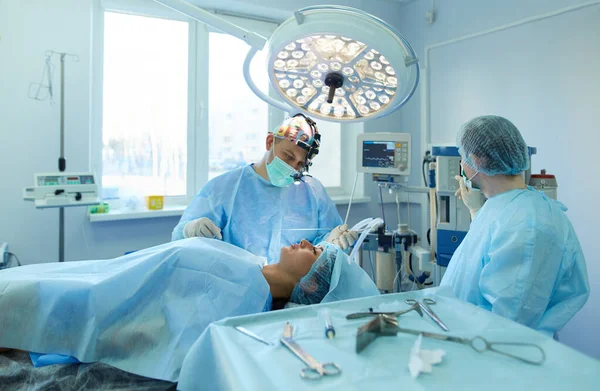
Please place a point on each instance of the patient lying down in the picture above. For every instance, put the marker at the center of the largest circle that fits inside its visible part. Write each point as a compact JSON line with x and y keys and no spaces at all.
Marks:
{"x":142,"y":312}
{"x":303,"y":273}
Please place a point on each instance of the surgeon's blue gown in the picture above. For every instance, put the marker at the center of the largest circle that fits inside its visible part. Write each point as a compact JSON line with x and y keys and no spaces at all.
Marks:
{"x":521,"y":259}
{"x":251,"y":212}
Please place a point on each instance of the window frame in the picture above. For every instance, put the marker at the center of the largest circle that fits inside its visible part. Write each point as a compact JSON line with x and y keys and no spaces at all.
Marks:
{"x":198,"y":108}
{"x":333,"y":191}
{"x":154,"y":10}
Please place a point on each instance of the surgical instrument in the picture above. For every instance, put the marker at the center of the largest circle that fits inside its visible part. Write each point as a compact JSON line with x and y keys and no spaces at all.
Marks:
{"x":358,"y":315}
{"x":315,"y":369}
{"x":329,"y":330}
{"x":250,"y":334}
{"x":384,"y":325}
{"x":425,"y":307}
{"x":304,"y":229}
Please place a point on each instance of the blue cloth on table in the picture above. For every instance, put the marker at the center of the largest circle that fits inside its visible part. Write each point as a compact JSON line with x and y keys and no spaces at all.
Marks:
{"x":224,"y":359}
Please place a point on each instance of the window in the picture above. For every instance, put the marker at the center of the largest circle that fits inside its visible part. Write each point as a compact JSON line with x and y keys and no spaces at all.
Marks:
{"x":171,"y":108}
{"x":145,"y":100}
{"x":327,"y":164}
{"x":238,"y":121}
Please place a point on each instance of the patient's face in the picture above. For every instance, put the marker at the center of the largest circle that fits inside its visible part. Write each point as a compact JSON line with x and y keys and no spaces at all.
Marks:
{"x":298,"y":258}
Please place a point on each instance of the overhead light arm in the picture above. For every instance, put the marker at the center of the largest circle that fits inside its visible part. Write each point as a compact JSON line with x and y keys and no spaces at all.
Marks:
{"x":273,"y":102}
{"x":255,"y":40}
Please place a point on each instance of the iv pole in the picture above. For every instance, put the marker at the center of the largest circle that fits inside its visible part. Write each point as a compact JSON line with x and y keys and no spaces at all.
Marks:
{"x":62,"y":162}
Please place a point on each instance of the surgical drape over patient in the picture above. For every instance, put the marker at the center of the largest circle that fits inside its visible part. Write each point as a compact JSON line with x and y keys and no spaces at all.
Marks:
{"x":142,"y":312}
{"x":139,"y":313}
{"x":259,"y":217}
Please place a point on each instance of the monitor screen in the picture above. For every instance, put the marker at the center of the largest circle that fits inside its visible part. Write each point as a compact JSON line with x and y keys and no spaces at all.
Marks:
{"x":378,"y":154}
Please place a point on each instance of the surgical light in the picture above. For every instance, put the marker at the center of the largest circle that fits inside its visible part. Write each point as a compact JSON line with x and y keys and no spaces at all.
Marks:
{"x":332,"y":62}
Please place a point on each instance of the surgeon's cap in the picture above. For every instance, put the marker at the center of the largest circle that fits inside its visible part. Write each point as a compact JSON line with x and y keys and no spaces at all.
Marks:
{"x":497,"y":145}
{"x":313,"y":287}
{"x":296,"y":129}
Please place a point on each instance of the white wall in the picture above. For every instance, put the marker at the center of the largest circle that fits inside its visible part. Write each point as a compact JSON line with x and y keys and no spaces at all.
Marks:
{"x":29,"y":133}
{"x":545,"y":77}
{"x":29,"y":130}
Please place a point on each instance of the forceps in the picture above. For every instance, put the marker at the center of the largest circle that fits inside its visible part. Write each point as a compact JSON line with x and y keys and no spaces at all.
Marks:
{"x":425,"y":307}
{"x":315,"y":369}
{"x":414,"y":307}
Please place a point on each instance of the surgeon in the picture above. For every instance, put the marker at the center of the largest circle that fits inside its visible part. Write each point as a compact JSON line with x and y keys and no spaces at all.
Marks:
{"x":266,"y":205}
{"x":521,"y":258}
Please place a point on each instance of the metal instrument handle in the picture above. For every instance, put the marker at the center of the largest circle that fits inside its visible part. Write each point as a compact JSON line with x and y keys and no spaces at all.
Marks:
{"x":327,"y":369}
{"x":480,"y":345}
{"x":301,"y":354}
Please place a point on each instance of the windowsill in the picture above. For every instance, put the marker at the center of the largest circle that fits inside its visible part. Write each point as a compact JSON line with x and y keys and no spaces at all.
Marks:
{"x":177,"y":210}
{"x":115,"y":215}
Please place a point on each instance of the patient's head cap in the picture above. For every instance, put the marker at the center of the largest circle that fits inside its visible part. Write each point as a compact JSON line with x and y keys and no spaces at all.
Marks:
{"x":313,"y":287}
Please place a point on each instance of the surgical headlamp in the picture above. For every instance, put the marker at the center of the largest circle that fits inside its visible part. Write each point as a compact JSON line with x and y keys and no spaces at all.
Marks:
{"x":312,"y":149}
{"x":335,"y":63}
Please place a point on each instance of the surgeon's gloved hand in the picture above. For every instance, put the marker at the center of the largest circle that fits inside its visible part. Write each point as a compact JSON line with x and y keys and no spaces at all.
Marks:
{"x":473,"y":199}
{"x":202,"y":227}
{"x":342,"y":237}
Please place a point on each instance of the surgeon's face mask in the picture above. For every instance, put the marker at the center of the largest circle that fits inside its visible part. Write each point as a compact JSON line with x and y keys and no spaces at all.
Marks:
{"x":468,"y":181}
{"x":280,"y":173}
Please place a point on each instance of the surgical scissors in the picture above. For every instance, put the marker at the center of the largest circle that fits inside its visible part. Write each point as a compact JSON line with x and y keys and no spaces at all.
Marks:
{"x":425,"y":307}
{"x":315,"y":369}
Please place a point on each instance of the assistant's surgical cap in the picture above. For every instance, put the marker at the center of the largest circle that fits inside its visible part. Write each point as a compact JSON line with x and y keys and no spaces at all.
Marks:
{"x":313,"y":287}
{"x":493,"y":145}
{"x":296,"y":129}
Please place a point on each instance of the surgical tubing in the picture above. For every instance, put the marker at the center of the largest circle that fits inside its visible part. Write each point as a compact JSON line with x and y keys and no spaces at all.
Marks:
{"x":366,"y":226}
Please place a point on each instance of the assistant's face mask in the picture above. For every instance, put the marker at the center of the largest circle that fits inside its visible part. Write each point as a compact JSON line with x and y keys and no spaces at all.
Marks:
{"x":468,"y":181}
{"x":280,"y":173}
